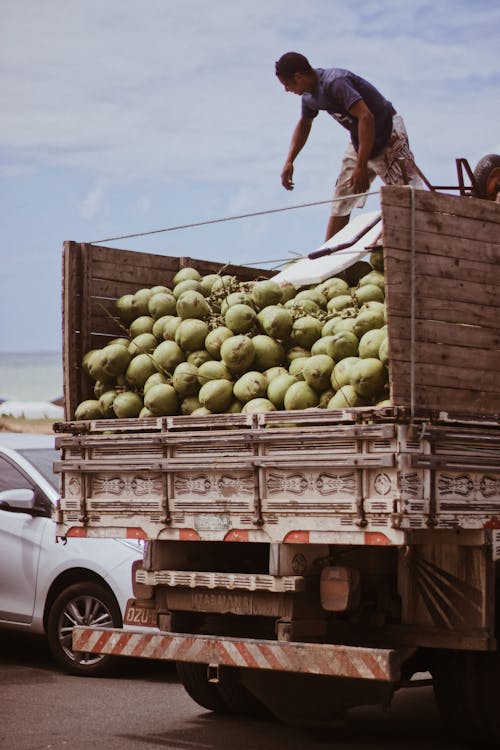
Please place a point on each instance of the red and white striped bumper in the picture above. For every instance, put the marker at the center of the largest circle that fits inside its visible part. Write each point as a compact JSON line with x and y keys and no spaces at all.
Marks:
{"x":284,"y":656}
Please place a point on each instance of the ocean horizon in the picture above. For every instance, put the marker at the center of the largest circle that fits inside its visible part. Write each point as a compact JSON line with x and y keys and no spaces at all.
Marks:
{"x":31,"y":376}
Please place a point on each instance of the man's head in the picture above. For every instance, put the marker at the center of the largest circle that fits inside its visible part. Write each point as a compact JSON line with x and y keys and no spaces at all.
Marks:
{"x":295,"y":73}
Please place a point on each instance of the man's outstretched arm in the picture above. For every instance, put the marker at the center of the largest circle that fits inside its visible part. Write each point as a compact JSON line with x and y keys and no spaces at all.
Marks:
{"x":299,"y":138}
{"x":366,"y":137}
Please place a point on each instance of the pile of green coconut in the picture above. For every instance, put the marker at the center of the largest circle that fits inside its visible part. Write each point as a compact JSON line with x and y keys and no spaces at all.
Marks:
{"x":212,"y":344}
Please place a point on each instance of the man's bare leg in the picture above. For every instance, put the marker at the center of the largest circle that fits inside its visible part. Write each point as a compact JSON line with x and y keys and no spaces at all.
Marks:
{"x":335,"y":224}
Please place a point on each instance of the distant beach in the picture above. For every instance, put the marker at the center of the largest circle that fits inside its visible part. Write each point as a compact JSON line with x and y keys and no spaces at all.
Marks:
{"x":31,"y":376}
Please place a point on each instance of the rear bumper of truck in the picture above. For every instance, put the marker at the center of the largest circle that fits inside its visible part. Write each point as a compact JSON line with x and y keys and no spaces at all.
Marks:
{"x":246,"y":653}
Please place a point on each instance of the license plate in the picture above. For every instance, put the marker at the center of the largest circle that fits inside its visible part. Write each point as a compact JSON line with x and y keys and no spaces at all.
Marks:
{"x":145,"y":617}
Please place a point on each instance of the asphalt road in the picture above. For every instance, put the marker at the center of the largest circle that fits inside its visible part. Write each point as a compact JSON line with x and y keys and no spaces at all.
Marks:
{"x":145,"y":708}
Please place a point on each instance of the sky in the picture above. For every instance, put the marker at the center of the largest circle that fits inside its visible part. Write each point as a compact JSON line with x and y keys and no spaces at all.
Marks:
{"x":124,"y":116}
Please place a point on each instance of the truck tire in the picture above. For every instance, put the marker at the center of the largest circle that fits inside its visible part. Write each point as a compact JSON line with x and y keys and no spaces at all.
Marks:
{"x":194,"y":679}
{"x":84,"y":603}
{"x":487,"y":177}
{"x":238,"y":698}
{"x":467,"y":695}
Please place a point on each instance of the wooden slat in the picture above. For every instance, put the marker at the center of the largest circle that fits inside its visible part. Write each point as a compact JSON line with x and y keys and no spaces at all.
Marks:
{"x":486,"y":361}
{"x":434,"y":202}
{"x":442,"y":309}
{"x":431,"y":243}
{"x":430,"y":373}
{"x":446,"y":266}
{"x":452,"y":400}
{"x":443,"y":332}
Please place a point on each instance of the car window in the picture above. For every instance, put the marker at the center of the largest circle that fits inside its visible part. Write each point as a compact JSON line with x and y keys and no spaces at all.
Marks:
{"x":12,"y":478}
{"x":43,"y":459}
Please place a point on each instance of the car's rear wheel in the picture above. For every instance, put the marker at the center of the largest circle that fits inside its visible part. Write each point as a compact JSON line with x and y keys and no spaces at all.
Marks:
{"x":84,"y":604}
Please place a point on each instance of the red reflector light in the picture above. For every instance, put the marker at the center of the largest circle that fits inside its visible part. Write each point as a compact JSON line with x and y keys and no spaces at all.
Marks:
{"x":135,"y":533}
{"x":237,"y":535}
{"x":297,"y":537}
{"x":77,"y":531}
{"x":376,"y":538}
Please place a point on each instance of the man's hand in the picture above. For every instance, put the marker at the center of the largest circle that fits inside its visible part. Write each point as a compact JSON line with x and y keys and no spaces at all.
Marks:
{"x":360,"y":181}
{"x":287,"y":176}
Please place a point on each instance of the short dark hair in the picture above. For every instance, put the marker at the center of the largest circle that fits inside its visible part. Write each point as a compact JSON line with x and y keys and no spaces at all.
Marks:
{"x":291,"y":63}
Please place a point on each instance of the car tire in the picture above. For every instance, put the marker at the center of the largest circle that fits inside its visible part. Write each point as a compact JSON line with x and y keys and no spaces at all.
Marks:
{"x":86,"y":603}
{"x":487,"y":170}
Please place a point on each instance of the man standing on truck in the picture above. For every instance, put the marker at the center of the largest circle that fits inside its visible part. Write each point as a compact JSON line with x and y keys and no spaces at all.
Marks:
{"x":379,"y":142}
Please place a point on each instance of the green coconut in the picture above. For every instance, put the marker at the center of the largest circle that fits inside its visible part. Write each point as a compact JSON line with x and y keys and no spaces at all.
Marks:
{"x":161,"y":303}
{"x":191,"y":334}
{"x":224,"y":284}
{"x":325,"y":398}
{"x":189,"y":405}
{"x":161,"y":400}
{"x":317,"y":371}
{"x":185,"y":379}
{"x":370,"y":342}
{"x":121,"y":340}
{"x":341,"y":374}
{"x":236,"y":298}
{"x":373,"y":277}
{"x":338,"y":303}
{"x":140,"y":302}
{"x":207,"y":282}
{"x":300,"y":395}
{"x":142,"y":324}
{"x":368,"y":377}
{"x":198,"y":357}
{"x":155,"y":379}
{"x":383,"y":352}
{"x":288,"y":291}
{"x":192,"y":304}
{"x":238,"y":353}
{"x":345,"y":398}
{"x":296,"y":367}
{"x":273,"y":372}
{"x":314,"y":294}
{"x":170,"y":328}
{"x":144,"y":343}
{"x":160,"y":289}
{"x":240,"y":318}
{"x":344,"y":344}
{"x":201,"y":411}
{"x":186,"y":273}
{"x":251,"y":384}
{"x":103,"y":386}
{"x":139,"y":370}
{"x":115,"y":359}
{"x":126,"y":312}
{"x":128,"y":404}
{"x":276,"y":321}
{"x":345,"y":324}
{"x":88,"y":409}
{"x":305,"y":306}
{"x":305,"y":331}
{"x":167,"y":356}
{"x":266,"y":293}
{"x":215,"y":339}
{"x":216,"y":395}
{"x":278,"y":387}
{"x":296,"y":352}
{"x":367,"y":320}
{"x":213,"y":370}
{"x":188,"y":285}
{"x":369,"y":293}
{"x":377,"y":259}
{"x":334,"y":287}
{"x":267,"y":352}
{"x":329,"y":327}
{"x":144,"y":413}
{"x":258,"y":406}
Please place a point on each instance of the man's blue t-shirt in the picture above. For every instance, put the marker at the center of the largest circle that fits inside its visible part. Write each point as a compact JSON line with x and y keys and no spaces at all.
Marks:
{"x":337,"y":91}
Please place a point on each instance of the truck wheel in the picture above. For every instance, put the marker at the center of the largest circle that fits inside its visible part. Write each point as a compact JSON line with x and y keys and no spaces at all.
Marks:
{"x":194,"y":679}
{"x":86,"y":603}
{"x":487,"y":177}
{"x":238,"y":698}
{"x":466,"y":690}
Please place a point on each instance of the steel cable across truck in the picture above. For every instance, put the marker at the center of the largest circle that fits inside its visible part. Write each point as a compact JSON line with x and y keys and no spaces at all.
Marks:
{"x":302,"y":561}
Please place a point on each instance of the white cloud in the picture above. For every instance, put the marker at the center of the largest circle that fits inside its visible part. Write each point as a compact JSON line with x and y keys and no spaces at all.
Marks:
{"x":93,"y":202}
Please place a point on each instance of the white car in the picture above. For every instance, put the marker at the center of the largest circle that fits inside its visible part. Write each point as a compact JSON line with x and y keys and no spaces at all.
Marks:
{"x":48,"y":585}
